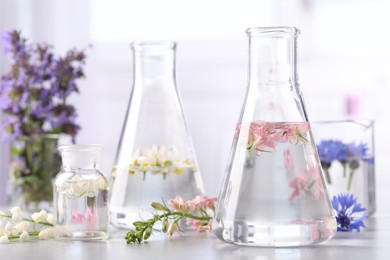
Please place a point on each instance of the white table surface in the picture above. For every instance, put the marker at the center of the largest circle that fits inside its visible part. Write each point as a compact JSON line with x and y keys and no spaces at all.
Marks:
{"x":371,"y":243}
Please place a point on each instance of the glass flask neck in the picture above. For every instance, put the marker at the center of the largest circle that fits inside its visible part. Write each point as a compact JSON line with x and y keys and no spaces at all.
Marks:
{"x":80,"y":156}
{"x":272,"y":53}
{"x":154,"y":61}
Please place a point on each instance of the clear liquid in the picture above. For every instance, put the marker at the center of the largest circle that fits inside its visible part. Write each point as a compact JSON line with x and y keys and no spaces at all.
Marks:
{"x":82,"y":218}
{"x":362,"y":182}
{"x":132,"y":194}
{"x":274,"y":193}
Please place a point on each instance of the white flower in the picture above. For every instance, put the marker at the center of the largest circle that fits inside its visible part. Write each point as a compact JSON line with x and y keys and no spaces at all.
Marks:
{"x":76,"y":187}
{"x":1,"y":215}
{"x":8,"y":228}
{"x":2,"y":222}
{"x":210,"y":212}
{"x":50,"y":218}
{"x":101,"y":183}
{"x":14,"y":210}
{"x":39,"y":216}
{"x":16,"y":214}
{"x":45,"y":234}
{"x":24,"y":236}
{"x":21,"y":226}
{"x":4,"y":239}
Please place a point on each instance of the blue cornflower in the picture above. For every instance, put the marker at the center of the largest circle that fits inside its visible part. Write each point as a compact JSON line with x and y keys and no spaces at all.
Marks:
{"x":350,"y":214}
{"x":331,"y":150}
{"x":357,"y":151}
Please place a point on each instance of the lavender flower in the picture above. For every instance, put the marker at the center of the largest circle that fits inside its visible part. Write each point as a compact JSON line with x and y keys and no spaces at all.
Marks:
{"x":35,"y":89}
{"x":34,"y":94}
{"x":350,"y":214}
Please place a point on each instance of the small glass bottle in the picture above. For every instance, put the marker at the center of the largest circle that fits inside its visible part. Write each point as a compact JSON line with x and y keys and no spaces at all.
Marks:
{"x":80,"y":195}
{"x":273,"y":193}
{"x":155,"y":158}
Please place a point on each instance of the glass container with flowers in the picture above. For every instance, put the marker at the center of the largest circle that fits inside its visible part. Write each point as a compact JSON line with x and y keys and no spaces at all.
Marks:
{"x":346,"y":151}
{"x":34,"y":94}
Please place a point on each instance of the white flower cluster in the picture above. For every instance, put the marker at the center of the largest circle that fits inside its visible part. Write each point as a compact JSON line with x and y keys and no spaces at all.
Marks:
{"x":13,"y":227}
{"x":159,"y":159}
{"x":76,"y":187}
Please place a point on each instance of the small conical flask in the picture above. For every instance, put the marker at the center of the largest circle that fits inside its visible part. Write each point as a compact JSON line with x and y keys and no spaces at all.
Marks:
{"x":155,"y":158}
{"x":273,"y":193}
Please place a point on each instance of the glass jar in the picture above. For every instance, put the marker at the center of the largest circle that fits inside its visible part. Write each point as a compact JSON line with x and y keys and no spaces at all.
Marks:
{"x":80,"y":195}
{"x":346,"y":150}
{"x":155,"y":158}
{"x":34,"y":163}
{"x":273,"y":193}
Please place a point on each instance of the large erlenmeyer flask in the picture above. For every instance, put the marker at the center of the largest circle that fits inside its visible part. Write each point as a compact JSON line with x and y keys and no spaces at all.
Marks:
{"x":273,"y":193}
{"x":155,"y":158}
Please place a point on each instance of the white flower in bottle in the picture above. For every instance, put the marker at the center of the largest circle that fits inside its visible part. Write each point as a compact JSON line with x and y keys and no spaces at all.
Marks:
{"x":24,"y":236}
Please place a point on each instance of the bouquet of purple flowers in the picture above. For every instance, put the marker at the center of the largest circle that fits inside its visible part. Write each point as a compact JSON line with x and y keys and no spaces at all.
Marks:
{"x":34,"y":91}
{"x":34,"y":94}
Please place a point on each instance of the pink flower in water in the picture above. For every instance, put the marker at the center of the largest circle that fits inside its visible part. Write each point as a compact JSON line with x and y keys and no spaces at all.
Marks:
{"x":77,"y":217}
{"x":288,"y":160}
{"x":298,"y":184}
{"x":315,"y":176}
{"x":91,"y":217}
{"x":293,"y":132}
{"x":264,"y":136}
{"x":178,"y":204}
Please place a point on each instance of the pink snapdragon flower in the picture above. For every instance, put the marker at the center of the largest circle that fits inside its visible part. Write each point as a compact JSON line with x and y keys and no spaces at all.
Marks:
{"x":178,"y":204}
{"x":92,"y":218}
{"x":77,"y":217}
{"x":288,"y":160}
{"x":298,"y":184}
{"x":315,"y":176}
{"x":200,"y":225}
{"x":201,"y":202}
{"x":264,"y":136}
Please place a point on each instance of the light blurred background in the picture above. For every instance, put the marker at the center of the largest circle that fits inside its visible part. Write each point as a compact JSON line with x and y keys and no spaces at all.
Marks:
{"x":343,"y":51}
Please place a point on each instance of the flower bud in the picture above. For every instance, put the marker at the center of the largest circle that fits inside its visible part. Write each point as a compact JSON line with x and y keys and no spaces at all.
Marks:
{"x":158,"y":206}
{"x":148,"y":232}
{"x":24,"y":236}
{"x":165,"y":225}
{"x":4,"y":239}
{"x":172,"y":228}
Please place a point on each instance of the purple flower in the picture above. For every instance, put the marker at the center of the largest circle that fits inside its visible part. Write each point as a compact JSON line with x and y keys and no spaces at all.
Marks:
{"x":357,"y":151}
{"x":350,"y":214}
{"x":6,"y":40}
{"x":331,"y":150}
{"x":35,"y":89}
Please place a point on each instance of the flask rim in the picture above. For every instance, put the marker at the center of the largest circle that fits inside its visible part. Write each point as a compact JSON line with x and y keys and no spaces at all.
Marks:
{"x":273,"y":31}
{"x":80,"y":148}
{"x":153,"y":45}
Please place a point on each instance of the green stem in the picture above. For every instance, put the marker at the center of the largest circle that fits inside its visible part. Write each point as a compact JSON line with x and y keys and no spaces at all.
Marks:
{"x":29,"y":154}
{"x":327,"y":176}
{"x":184,"y":214}
{"x":45,"y":223}
{"x":350,"y":180}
